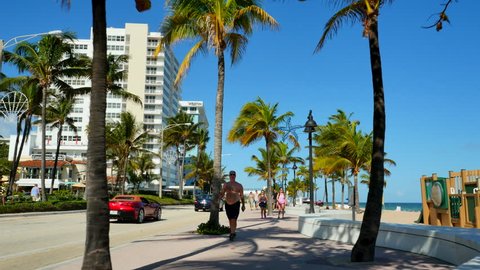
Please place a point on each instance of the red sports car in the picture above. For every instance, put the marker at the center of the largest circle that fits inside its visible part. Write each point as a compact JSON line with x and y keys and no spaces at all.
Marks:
{"x":131,"y":207}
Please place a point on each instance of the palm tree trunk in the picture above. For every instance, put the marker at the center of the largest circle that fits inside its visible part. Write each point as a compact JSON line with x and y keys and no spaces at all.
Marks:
{"x":355,"y":192}
{"x":343,"y":195}
{"x":118,"y":179}
{"x":333,"y":194}
{"x":16,"y":160}
{"x":177,"y":164}
{"x":217,"y":145}
{"x":124,"y":178}
{"x":180,"y":182}
{"x":97,"y":243}
{"x":57,"y":152}
{"x":44,"y":150}
{"x":326,"y":193}
{"x":364,"y":248}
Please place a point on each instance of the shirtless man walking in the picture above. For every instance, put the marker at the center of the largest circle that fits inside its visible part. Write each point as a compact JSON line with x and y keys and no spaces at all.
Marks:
{"x":232,"y":192}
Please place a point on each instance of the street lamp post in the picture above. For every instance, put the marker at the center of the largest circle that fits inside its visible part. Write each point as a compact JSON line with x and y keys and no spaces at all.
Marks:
{"x":310,"y":128}
{"x":18,"y":39}
{"x":161,"y":153}
{"x":294,"y":168}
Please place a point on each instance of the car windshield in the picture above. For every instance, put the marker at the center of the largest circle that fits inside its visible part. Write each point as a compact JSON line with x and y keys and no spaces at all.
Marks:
{"x":125,"y":198}
{"x":205,"y":197}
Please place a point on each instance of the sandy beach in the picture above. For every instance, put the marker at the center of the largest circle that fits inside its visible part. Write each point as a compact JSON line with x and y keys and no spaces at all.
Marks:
{"x":388,"y":216}
{"x":399,"y":217}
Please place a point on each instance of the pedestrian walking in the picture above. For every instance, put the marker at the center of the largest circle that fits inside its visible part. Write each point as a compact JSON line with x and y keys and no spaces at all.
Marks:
{"x":232,"y":193}
{"x":251,"y":200}
{"x":255,"y":199}
{"x":262,"y":202}
{"x":35,"y":193}
{"x":281,"y":203}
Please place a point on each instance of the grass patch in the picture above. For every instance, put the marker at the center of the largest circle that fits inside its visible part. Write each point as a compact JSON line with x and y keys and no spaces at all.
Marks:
{"x":212,"y":229}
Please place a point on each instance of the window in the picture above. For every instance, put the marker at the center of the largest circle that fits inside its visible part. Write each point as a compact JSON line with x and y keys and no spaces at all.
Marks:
{"x":151,"y":70}
{"x":150,"y":99}
{"x":110,"y":115}
{"x":116,"y":38}
{"x":77,"y":110}
{"x":149,"y":107}
{"x":114,"y":105}
{"x":115,"y":48}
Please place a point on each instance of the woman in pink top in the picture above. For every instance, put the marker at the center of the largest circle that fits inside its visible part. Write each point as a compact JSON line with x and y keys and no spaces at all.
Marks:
{"x":281,"y":202}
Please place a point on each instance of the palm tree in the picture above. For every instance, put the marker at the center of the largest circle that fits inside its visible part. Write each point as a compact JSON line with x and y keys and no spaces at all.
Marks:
{"x":201,"y":139}
{"x":285,"y":157}
{"x":57,"y":116}
{"x":262,"y":164}
{"x":115,"y":74}
{"x":201,"y":168}
{"x":221,"y":25}
{"x":125,"y":138}
{"x":182,"y":137}
{"x":342,"y":146}
{"x":258,"y":120}
{"x":34,"y":98}
{"x":97,"y":249}
{"x":365,"y":178}
{"x":294,"y":187}
{"x":367,"y":12}
{"x":48,"y":62}
{"x":304,"y":173}
{"x":140,"y":166}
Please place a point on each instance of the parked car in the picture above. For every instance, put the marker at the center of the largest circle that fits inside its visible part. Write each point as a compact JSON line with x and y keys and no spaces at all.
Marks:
{"x":133,"y":208}
{"x":204,"y":202}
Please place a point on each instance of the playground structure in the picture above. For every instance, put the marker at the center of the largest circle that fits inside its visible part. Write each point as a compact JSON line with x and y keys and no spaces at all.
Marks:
{"x":452,"y":201}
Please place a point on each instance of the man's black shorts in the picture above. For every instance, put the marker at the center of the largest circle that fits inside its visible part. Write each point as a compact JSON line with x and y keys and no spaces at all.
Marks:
{"x":232,"y":210}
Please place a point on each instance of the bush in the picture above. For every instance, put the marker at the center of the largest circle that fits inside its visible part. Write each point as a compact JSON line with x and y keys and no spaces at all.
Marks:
{"x":65,"y":200}
{"x":71,"y":205}
{"x":63,"y":195}
{"x":212,"y":229}
{"x":43,"y":206}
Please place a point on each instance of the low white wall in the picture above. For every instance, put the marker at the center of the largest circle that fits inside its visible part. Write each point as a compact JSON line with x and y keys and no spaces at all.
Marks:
{"x":453,"y":245}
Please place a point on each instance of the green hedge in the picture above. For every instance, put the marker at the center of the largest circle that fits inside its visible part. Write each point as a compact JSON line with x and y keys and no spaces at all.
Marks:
{"x":63,"y":201}
{"x":42,"y":206}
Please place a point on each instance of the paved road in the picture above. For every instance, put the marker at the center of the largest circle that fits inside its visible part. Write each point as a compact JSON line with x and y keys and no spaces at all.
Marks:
{"x":36,"y":241}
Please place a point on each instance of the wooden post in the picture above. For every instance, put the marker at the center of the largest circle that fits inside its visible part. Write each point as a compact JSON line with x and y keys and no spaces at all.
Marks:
{"x":425,"y":208}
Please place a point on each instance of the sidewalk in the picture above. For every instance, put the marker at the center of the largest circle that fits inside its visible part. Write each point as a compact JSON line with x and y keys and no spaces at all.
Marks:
{"x":260,"y":244}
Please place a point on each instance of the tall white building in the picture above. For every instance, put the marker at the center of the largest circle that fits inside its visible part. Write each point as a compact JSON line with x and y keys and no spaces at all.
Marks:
{"x":149,"y":78}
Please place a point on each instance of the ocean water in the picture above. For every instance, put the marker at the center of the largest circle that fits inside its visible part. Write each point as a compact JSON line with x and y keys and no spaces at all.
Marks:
{"x":409,"y":207}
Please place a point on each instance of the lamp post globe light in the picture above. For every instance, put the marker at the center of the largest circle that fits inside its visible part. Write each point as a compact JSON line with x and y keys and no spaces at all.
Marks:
{"x":18,"y":39}
{"x":310,"y":128}
{"x":161,"y":153}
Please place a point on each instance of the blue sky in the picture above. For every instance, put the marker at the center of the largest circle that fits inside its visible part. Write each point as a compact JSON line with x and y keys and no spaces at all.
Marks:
{"x":431,"y":79}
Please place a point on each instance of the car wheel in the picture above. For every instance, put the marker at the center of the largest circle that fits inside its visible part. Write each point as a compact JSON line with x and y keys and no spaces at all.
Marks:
{"x":158,"y":214}
{"x":141,"y":216}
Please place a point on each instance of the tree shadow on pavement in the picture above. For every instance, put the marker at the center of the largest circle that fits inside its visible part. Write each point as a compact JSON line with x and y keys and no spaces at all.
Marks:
{"x":273,"y":244}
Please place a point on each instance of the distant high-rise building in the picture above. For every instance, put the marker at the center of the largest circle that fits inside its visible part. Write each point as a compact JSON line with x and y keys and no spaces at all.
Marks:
{"x":197,"y":111}
{"x":151,"y":79}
